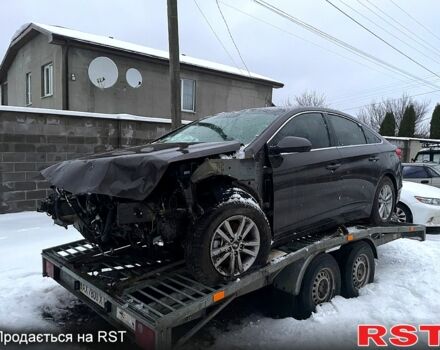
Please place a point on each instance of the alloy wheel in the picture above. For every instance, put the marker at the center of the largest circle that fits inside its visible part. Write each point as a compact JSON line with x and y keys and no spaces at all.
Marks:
{"x":385,"y":199}
{"x":401,"y":215}
{"x":235,"y":245}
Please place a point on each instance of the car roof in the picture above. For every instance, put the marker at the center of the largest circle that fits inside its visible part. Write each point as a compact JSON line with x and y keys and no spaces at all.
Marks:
{"x":435,"y":149}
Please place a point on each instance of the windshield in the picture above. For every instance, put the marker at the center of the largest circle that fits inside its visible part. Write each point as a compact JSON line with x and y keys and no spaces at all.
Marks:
{"x":243,"y":126}
{"x":422,"y":157}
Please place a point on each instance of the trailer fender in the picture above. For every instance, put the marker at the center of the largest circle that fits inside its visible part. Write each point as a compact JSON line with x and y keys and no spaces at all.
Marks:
{"x":290,"y":278}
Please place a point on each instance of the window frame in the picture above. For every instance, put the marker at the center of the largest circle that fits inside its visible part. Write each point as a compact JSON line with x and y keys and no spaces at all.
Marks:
{"x":301,"y":114}
{"x":421,"y":167}
{"x":48,"y":83}
{"x":28,"y":89}
{"x":193,"y":97}
{"x":363,"y":127}
{"x":431,"y":172}
{"x":334,"y":137}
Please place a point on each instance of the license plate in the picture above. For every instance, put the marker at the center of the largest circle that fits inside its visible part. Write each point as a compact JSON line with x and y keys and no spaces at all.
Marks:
{"x":126,"y":318}
{"x":92,"y":294}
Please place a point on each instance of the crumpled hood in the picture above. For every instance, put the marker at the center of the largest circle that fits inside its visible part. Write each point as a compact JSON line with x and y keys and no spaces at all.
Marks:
{"x":130,"y":173}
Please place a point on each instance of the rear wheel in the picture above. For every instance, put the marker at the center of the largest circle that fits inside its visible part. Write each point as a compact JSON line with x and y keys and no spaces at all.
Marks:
{"x":357,"y":268}
{"x":403,"y":213}
{"x":229,"y":240}
{"x":384,"y":202}
{"x":321,"y":282}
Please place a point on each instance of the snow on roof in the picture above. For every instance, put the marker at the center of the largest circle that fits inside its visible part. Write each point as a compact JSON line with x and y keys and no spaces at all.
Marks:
{"x":129,"y":117}
{"x":143,"y":50}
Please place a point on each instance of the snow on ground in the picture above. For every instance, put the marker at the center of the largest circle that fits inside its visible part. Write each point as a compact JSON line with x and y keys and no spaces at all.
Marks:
{"x":405,"y":290}
{"x":24,"y":293}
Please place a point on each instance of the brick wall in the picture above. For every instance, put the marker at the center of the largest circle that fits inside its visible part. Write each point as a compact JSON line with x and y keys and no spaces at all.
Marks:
{"x":31,"y":141}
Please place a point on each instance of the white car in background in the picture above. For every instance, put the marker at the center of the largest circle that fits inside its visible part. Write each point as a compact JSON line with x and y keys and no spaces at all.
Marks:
{"x":419,"y":204}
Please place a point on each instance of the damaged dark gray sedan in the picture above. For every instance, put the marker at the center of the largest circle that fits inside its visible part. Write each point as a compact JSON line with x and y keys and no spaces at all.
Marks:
{"x":227,"y":188}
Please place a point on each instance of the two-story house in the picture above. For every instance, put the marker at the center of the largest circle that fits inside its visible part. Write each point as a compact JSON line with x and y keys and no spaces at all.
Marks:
{"x":54,"y":67}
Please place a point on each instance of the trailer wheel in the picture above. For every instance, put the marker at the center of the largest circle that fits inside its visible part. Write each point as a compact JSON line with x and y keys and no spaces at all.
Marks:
{"x":357,"y":268}
{"x":321,"y":282}
{"x":231,"y":239}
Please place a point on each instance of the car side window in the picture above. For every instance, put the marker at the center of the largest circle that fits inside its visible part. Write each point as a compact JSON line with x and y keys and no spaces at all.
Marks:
{"x":432,"y":172}
{"x":310,"y":126}
{"x":347,"y":132}
{"x":371,"y":137}
{"x":414,"y":172}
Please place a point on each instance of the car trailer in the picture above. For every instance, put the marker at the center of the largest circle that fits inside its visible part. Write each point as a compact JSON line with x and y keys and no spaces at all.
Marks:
{"x":154,"y":300}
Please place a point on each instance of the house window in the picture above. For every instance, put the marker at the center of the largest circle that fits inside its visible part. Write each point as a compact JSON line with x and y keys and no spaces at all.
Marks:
{"x":188,"y":95}
{"x":47,"y":81}
{"x":28,"y":89}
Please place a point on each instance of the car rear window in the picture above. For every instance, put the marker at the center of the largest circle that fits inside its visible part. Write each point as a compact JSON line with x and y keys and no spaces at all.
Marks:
{"x":371,"y":137}
{"x":347,"y":132}
{"x":414,"y":172}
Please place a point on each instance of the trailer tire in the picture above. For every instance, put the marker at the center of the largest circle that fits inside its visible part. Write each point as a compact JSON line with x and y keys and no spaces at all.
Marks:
{"x":357,"y":268}
{"x":321,"y":282}
{"x":203,"y":239}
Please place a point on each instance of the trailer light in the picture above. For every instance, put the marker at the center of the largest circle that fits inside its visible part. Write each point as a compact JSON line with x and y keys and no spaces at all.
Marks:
{"x":144,"y":336}
{"x":50,"y":270}
{"x":218,"y":296}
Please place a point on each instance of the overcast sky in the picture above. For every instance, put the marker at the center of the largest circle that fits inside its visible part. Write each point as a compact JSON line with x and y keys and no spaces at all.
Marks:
{"x":288,"y":53}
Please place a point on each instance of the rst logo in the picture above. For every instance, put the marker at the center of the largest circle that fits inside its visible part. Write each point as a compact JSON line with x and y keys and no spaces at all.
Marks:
{"x":403,"y":335}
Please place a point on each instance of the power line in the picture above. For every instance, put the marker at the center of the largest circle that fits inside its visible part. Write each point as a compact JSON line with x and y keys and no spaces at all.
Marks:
{"x":339,"y":42}
{"x":315,"y":44}
{"x":232,"y":38}
{"x":393,"y":99}
{"x":387,"y":31}
{"x":425,"y":44}
{"x":415,"y":20}
{"x":383,"y":40}
{"x":216,"y":36}
{"x":373,"y":93}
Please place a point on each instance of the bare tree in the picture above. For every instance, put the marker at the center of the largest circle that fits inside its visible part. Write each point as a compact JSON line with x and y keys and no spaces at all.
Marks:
{"x":374,"y":113}
{"x":308,"y":99}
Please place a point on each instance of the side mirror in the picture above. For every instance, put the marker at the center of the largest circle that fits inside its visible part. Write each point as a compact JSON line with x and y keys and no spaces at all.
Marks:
{"x":291,"y":144}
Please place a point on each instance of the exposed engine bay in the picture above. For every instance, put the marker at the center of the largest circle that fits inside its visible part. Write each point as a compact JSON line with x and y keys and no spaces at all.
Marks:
{"x":180,"y":196}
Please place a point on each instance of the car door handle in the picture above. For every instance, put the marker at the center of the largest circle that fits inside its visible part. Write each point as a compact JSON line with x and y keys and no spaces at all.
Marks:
{"x":373,"y":159}
{"x":333,"y":166}
{"x":424,"y":182}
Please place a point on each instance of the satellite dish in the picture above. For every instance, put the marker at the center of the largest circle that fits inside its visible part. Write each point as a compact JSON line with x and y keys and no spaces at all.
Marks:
{"x":134,"y":78}
{"x":103,"y":72}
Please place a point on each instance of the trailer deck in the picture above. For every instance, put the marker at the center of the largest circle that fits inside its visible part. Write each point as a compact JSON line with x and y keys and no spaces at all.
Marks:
{"x":152,"y":297}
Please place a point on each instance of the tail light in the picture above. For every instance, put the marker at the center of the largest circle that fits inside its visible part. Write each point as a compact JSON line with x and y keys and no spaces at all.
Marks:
{"x":399,"y":152}
{"x":50,"y":270}
{"x":144,"y":336}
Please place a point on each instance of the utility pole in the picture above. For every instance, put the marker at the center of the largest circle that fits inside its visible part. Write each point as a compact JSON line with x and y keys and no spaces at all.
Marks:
{"x":173,"y":43}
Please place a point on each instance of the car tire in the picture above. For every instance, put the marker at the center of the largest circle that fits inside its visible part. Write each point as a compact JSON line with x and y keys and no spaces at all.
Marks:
{"x":357,"y":268}
{"x":210,"y":244}
{"x":384,"y":202}
{"x":321,"y":282}
{"x":403,"y":213}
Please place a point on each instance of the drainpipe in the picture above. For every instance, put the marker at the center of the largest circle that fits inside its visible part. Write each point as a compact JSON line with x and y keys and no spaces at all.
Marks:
{"x":65,"y":76}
